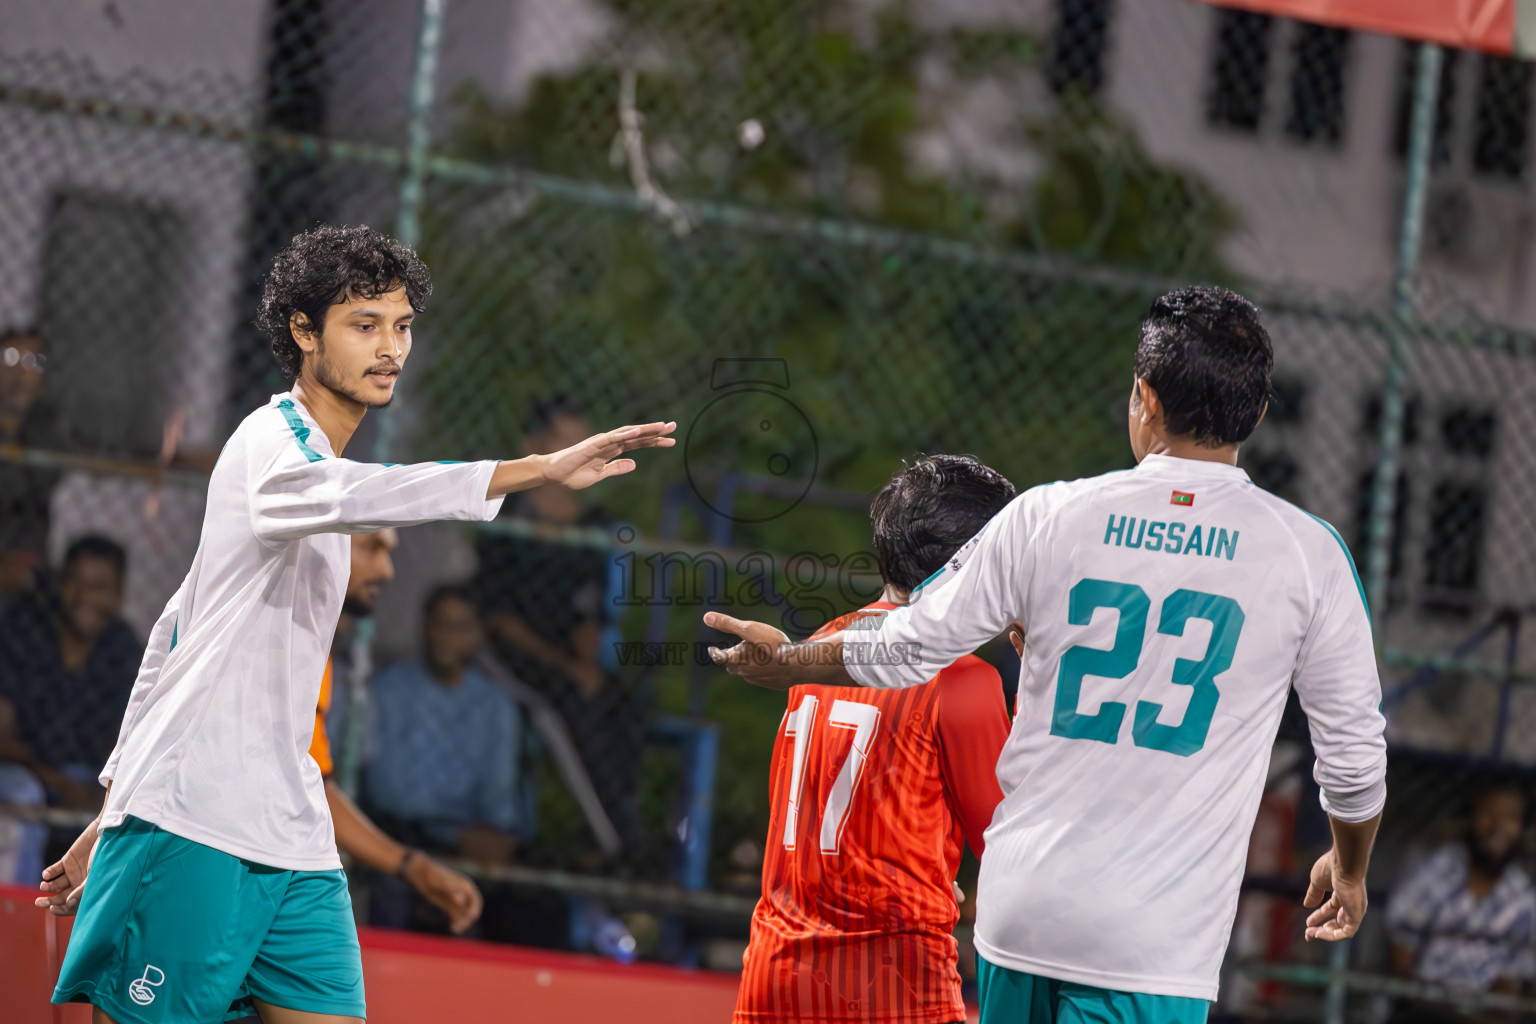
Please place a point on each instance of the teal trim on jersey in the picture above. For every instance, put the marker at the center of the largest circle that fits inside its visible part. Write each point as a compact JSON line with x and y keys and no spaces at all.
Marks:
{"x":1348,"y":558}
{"x":1015,"y":997}
{"x":937,"y":572}
{"x":175,"y":629}
{"x":300,"y":431}
{"x":1342,"y":547}
{"x":931,"y":577}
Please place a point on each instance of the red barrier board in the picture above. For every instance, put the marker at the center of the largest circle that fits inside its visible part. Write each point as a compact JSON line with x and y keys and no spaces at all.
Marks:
{"x":1498,"y":26}
{"x":413,"y":978}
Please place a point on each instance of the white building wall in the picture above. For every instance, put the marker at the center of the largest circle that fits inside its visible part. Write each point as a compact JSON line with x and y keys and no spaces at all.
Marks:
{"x":206,"y":58}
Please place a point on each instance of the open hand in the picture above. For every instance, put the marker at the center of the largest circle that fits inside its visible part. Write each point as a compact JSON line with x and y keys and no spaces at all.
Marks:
{"x":64,"y":880}
{"x":594,"y":459}
{"x":758,"y":658}
{"x":1340,"y":915}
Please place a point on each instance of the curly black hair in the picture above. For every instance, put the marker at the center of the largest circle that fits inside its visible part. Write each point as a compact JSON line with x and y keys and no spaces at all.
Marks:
{"x":929,"y":510}
{"x":321,"y":268}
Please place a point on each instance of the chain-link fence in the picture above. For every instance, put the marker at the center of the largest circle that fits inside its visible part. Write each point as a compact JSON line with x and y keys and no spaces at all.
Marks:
{"x":823,"y":237}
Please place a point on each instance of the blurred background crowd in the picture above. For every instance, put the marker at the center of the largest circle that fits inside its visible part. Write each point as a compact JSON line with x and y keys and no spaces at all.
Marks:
{"x":824,"y":236}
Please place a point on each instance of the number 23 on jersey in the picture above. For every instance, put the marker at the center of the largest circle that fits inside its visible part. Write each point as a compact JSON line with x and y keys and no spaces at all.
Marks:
{"x":1188,"y":736}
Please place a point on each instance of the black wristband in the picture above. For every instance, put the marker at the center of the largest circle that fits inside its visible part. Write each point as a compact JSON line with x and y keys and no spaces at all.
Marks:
{"x":405,"y":862}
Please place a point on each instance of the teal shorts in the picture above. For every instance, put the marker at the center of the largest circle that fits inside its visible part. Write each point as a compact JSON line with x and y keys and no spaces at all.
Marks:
{"x":1013,"y":997}
{"x":173,"y":932}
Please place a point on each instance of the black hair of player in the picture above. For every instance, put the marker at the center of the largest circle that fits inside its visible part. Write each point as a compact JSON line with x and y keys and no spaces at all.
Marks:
{"x":1206,"y":353}
{"x":448,"y":592}
{"x":94,"y":545}
{"x":925,"y":513}
{"x":320,"y":268}
{"x":547,"y":410}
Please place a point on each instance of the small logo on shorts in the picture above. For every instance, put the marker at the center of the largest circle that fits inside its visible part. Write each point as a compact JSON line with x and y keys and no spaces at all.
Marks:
{"x":141,"y":989}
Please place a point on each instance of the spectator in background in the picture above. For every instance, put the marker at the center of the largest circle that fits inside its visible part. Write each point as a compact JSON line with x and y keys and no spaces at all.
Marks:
{"x":1465,"y":917}
{"x":26,"y":421}
{"x":454,"y":895}
{"x":547,"y":605}
{"x":69,"y":650}
{"x":444,"y":742}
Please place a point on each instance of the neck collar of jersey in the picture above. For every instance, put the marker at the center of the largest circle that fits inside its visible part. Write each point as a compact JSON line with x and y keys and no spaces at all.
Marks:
{"x":1185,"y":469}
{"x":306,"y":429}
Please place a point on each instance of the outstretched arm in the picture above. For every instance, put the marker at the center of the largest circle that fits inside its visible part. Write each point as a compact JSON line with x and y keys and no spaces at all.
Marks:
{"x":581,"y":465}
{"x":298,"y":493}
{"x":961,"y":607}
{"x":766,"y":656}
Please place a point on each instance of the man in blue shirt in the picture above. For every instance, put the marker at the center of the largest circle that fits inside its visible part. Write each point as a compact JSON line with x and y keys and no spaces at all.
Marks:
{"x":443,"y":744}
{"x":69,"y":649}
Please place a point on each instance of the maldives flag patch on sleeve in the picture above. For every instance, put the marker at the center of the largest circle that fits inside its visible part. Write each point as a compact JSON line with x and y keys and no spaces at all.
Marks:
{"x":1182,"y":498}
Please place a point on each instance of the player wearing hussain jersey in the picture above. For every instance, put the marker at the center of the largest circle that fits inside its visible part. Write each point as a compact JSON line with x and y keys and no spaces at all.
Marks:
{"x":872,"y":794}
{"x":1169,"y":609}
{"x":215,"y":885}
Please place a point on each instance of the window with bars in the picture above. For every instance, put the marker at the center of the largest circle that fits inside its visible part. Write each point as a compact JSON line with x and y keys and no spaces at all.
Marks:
{"x":1316,"y":112}
{"x":1239,"y":70}
{"x":1453,"y":552}
{"x":1078,"y":46}
{"x":1453,"y":555}
{"x":108,"y":355}
{"x":1501,"y":129}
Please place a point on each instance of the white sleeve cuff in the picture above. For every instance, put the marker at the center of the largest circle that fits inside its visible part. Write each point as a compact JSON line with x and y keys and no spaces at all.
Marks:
{"x":1360,"y":805}
{"x":485,"y":508}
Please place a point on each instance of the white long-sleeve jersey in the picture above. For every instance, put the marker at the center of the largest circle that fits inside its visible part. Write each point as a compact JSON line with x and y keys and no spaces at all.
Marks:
{"x":1168,"y":610}
{"x":214,"y":745}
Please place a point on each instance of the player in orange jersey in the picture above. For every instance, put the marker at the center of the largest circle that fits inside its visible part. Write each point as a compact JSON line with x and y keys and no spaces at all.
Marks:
{"x":873,"y":792}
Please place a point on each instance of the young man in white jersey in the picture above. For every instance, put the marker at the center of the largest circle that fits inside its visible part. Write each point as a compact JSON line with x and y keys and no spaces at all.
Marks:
{"x":1168,"y":609}
{"x":215,"y":885}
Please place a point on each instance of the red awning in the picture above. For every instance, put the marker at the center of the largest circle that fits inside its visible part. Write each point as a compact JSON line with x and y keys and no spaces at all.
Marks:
{"x":1498,"y":26}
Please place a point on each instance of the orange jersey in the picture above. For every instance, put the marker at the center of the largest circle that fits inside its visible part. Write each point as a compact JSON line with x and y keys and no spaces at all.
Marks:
{"x":320,"y":743}
{"x":872,"y":793}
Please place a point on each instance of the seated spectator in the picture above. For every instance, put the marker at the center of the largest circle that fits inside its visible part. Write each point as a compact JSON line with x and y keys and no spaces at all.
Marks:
{"x":1465,"y":917}
{"x":443,"y":743}
{"x":25,"y":420}
{"x":69,"y":650}
{"x":547,"y":605}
